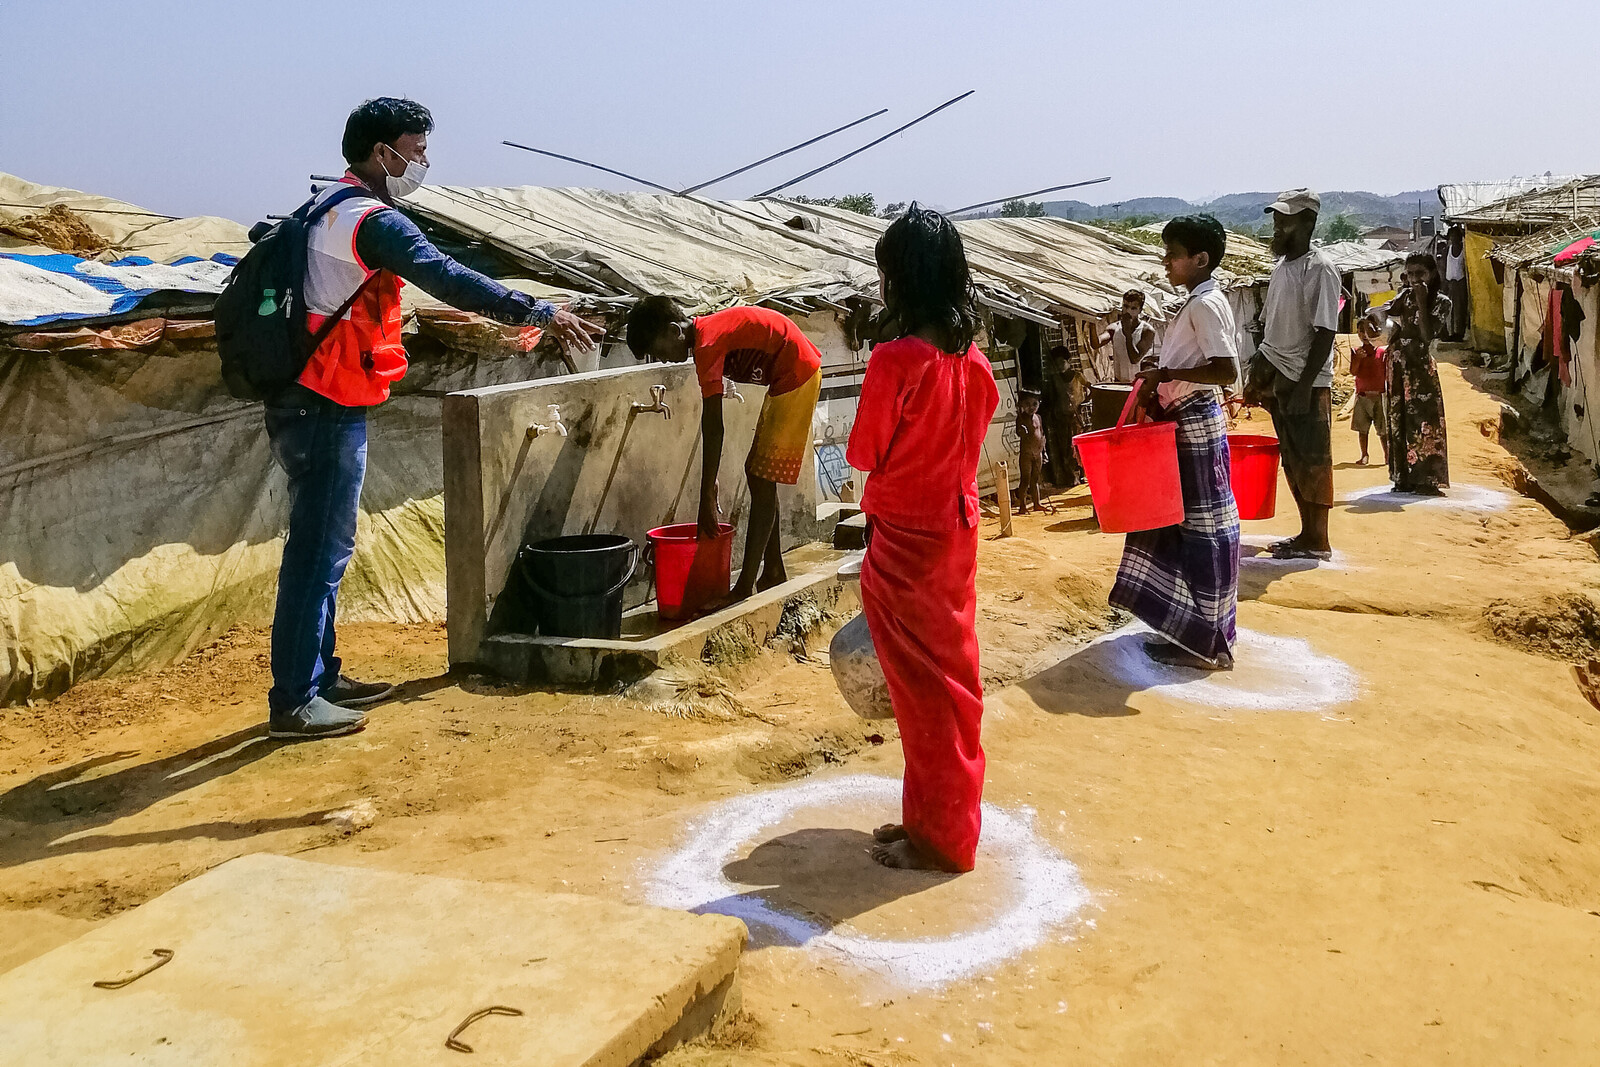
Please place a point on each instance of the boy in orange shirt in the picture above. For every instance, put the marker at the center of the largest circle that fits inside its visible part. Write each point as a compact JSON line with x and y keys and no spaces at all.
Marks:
{"x":756,"y":346}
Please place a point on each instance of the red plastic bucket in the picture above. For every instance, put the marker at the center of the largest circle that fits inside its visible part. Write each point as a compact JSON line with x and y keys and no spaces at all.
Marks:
{"x":691,"y":574}
{"x":1253,"y":469}
{"x":1133,"y":474}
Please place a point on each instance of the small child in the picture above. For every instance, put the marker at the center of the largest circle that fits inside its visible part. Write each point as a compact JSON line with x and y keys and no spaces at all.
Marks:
{"x":1370,"y":366}
{"x":1030,"y":452}
{"x":756,"y":346}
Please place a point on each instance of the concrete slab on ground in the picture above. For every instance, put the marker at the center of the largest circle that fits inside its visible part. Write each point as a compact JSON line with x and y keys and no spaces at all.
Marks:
{"x":277,"y":960}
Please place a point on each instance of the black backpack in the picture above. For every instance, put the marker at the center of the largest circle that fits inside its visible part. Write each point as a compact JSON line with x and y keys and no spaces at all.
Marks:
{"x":261,"y":311}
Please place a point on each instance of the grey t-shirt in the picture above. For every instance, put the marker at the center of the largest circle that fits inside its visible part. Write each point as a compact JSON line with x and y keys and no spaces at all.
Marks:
{"x":1302,"y":297}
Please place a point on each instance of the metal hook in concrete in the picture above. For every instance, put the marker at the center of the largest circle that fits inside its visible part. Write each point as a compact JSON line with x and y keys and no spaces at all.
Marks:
{"x":163,"y":957}
{"x":454,"y":1042}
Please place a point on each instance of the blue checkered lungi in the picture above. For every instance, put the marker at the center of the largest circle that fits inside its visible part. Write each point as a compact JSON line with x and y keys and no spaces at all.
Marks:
{"x":1183,"y":581}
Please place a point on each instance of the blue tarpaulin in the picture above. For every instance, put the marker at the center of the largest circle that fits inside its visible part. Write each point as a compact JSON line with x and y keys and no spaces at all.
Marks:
{"x":36,"y":290}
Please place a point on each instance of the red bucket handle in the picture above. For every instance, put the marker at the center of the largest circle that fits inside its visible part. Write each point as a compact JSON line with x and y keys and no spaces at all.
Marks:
{"x":1127,"y":409}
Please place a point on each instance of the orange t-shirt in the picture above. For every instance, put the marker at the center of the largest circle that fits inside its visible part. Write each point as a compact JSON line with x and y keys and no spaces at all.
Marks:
{"x":754,"y":345}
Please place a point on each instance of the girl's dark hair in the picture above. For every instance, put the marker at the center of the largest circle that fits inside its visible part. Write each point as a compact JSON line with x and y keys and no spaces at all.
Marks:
{"x":1431,"y":265}
{"x":927,"y":283}
{"x":648,"y":319}
{"x":382,"y":121}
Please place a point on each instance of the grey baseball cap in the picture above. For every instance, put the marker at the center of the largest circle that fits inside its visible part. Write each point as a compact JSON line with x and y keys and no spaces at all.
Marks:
{"x":1294,"y":201}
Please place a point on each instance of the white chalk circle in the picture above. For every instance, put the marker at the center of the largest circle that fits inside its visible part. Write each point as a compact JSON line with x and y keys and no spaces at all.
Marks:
{"x":1459,"y":497}
{"x":1269,"y":674}
{"x":1040,"y":888}
{"x":1253,"y":553}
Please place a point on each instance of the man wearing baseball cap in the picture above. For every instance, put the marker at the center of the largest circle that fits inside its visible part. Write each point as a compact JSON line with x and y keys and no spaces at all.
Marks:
{"x":1292,"y":374}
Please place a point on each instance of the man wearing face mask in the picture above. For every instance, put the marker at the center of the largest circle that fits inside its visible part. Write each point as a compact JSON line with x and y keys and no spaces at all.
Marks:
{"x":358,"y":256}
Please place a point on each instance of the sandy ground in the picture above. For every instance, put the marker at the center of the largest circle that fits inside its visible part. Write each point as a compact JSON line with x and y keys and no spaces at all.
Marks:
{"x":1378,"y":841}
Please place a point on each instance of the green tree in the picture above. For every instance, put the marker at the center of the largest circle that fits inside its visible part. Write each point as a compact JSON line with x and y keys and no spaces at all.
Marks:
{"x":1021,"y":209}
{"x":1340,"y":228}
{"x":894,"y":210}
{"x":860,"y":203}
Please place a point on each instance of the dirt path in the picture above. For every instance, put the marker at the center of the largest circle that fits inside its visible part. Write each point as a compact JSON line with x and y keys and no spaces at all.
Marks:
{"x":1379,"y":841}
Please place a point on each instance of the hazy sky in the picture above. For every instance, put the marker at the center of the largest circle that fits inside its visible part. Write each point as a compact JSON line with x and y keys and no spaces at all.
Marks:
{"x":225,"y":107}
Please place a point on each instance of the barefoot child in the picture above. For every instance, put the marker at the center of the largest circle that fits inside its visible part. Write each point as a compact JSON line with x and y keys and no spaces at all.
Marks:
{"x":1369,"y":365}
{"x":757,"y":346}
{"x":1183,"y":581}
{"x":1030,"y":451}
{"x":926,"y":402}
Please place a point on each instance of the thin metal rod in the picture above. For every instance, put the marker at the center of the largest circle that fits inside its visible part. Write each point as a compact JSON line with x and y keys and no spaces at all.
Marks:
{"x":786,"y":151}
{"x":594,"y":166}
{"x":1024,"y":196}
{"x":43,"y":208}
{"x":898,"y":129}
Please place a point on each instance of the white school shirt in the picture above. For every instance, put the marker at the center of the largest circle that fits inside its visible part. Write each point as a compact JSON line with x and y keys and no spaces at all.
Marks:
{"x":1203,"y":330}
{"x":1302,"y":297}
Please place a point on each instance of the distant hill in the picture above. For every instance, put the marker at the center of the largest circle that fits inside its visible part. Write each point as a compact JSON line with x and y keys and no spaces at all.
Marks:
{"x":1244,"y":211}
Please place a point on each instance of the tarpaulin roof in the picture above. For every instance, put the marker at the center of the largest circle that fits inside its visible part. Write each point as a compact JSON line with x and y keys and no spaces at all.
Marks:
{"x":619,"y":244}
{"x":35,"y":290}
{"x":708,"y":254}
{"x":1543,"y":203}
{"x":1540,"y":249}
{"x":127,"y":230}
{"x":1357,"y":255}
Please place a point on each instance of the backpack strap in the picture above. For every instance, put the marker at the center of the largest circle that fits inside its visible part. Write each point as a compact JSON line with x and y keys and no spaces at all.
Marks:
{"x":333,"y":320}
{"x":313,"y":212}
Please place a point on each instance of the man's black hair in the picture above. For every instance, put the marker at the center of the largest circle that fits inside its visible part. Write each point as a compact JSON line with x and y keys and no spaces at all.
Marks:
{"x":928,"y":283}
{"x":382,"y":121}
{"x":1135,"y":294}
{"x":648,"y":319}
{"x":1197,"y":233}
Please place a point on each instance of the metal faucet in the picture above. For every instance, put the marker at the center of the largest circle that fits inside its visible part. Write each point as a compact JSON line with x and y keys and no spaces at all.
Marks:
{"x":555,"y":426}
{"x":660,"y":405}
{"x":730,"y":389}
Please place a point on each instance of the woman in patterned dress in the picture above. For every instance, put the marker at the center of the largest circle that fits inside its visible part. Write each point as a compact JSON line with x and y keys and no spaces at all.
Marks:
{"x":1418,"y":458}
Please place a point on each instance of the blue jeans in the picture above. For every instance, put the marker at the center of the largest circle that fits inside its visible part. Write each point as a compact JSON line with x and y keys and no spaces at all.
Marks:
{"x":323,"y":448}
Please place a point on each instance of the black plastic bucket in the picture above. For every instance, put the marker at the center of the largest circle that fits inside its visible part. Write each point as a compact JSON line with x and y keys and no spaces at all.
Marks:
{"x":574,"y":584}
{"x":1108,"y":400}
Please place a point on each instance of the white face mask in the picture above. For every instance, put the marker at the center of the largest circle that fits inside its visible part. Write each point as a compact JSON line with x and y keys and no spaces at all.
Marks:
{"x":409,"y":181}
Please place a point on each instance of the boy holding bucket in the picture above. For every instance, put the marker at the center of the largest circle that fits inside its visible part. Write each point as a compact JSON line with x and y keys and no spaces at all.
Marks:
{"x":1183,"y":580}
{"x":756,"y":346}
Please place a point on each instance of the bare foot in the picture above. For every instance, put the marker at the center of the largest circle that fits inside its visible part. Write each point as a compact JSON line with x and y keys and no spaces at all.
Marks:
{"x":769,"y":581}
{"x":889,"y":831}
{"x":1363,"y":461}
{"x":903,"y":855}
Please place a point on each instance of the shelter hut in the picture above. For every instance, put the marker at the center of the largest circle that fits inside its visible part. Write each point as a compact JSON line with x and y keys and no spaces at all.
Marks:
{"x":1494,"y":213}
{"x":140,"y":512}
{"x":1552,"y":287}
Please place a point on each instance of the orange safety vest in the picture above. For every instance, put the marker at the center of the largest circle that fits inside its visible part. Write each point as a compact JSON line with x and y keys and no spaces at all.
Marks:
{"x":362,"y":356}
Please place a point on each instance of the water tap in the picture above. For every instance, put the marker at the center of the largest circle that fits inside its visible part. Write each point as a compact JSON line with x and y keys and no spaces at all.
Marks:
{"x":659,"y":406}
{"x":555,"y":425}
{"x":730,"y":389}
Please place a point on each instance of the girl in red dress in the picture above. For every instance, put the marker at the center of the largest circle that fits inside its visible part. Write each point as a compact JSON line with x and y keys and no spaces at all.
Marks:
{"x":926,"y":403}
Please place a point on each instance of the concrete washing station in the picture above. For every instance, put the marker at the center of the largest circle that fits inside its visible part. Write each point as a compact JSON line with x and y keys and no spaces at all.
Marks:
{"x":610,"y":451}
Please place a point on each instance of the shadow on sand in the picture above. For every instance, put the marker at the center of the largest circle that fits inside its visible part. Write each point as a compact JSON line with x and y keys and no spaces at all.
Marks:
{"x":822,"y":876}
{"x":59,"y":812}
